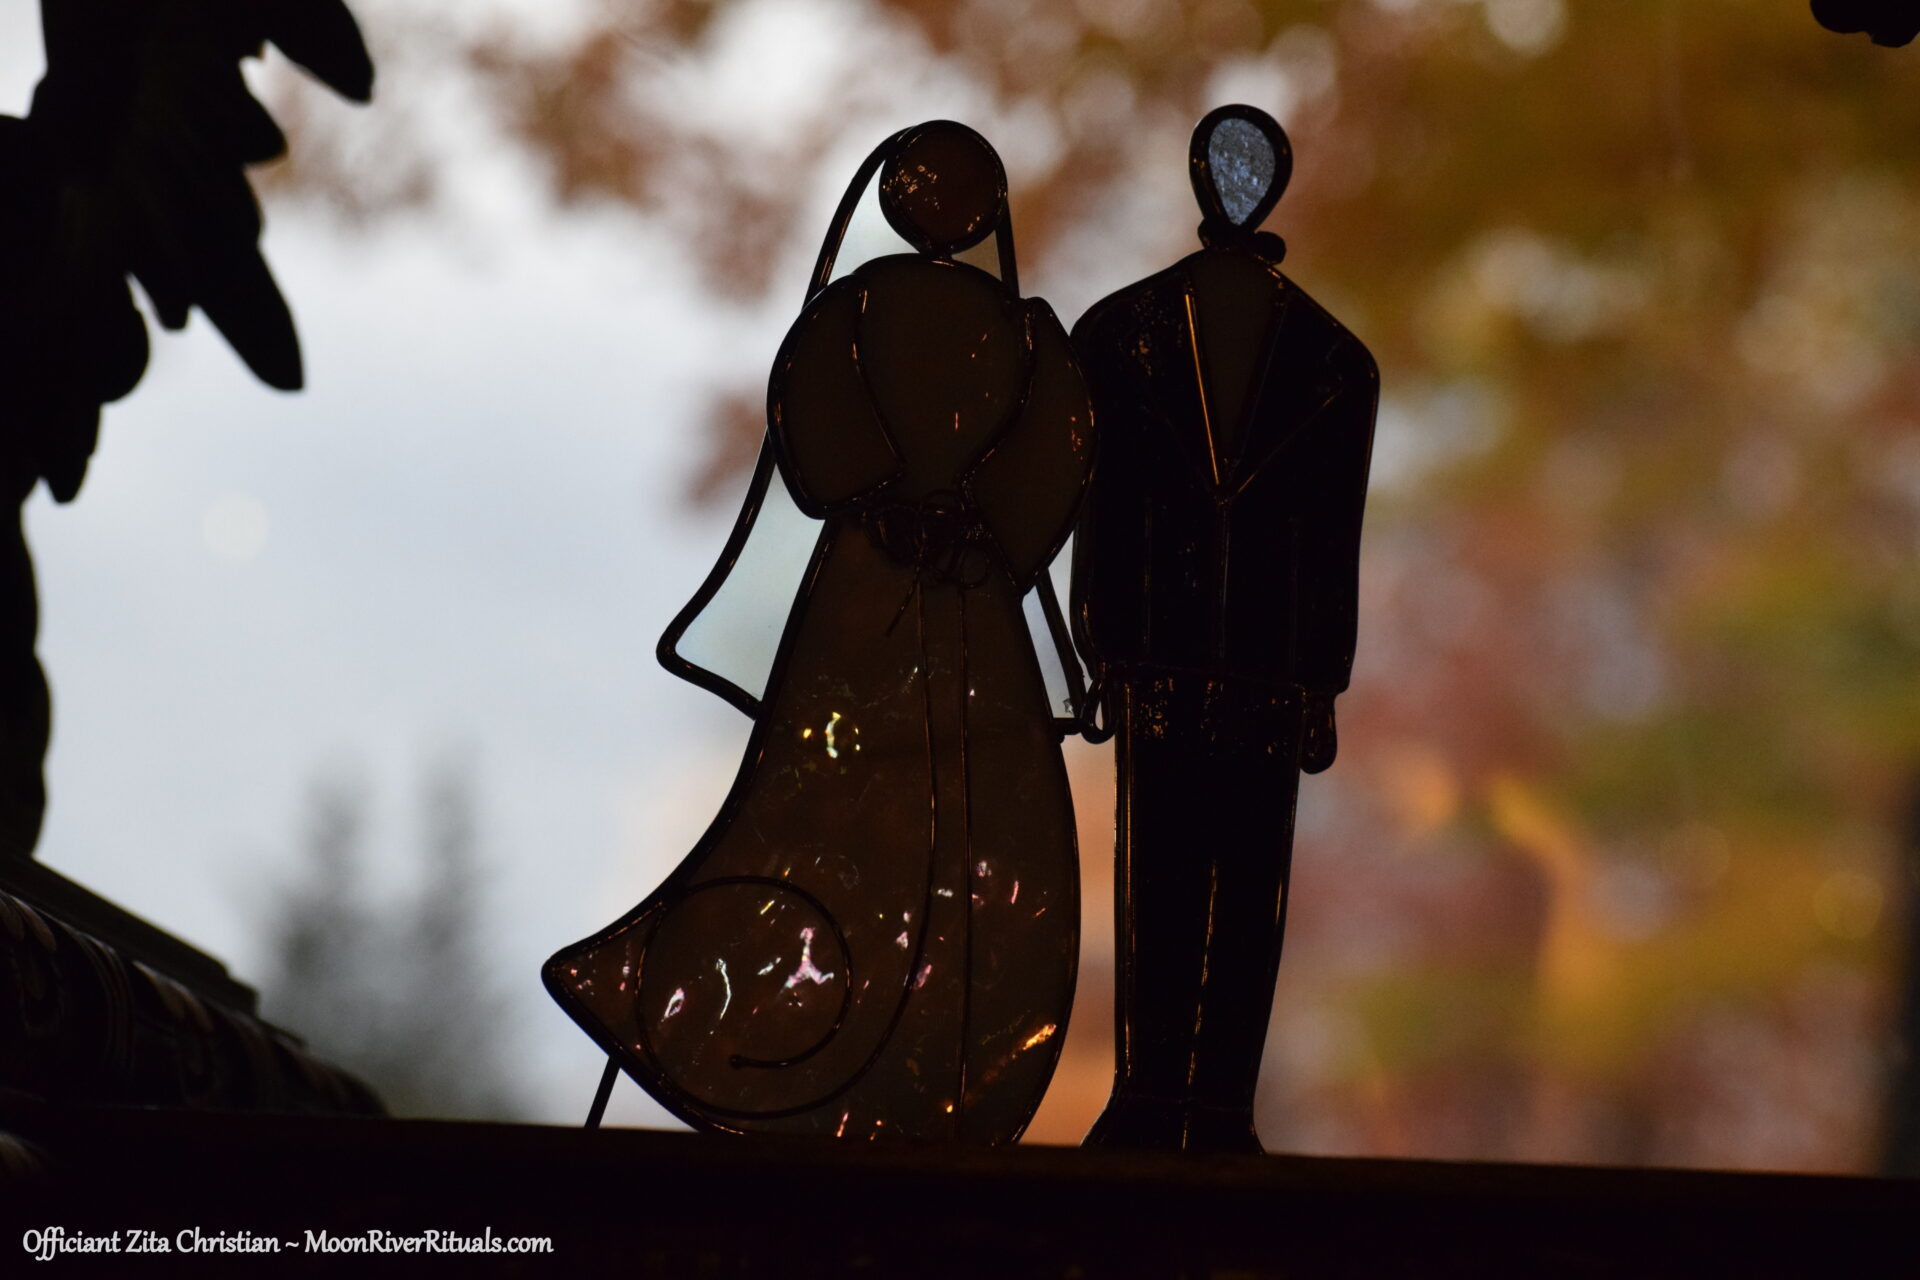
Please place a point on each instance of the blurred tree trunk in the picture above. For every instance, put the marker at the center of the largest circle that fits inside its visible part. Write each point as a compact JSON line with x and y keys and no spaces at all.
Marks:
{"x":1901,"y":1155}
{"x":395,"y":987}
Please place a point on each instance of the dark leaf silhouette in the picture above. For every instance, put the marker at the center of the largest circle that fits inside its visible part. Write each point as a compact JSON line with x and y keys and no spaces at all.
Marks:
{"x":1890,"y":22}
{"x":130,"y":163}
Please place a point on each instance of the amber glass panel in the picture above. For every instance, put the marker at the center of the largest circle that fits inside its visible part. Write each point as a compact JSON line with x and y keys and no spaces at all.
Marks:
{"x":877,"y":935}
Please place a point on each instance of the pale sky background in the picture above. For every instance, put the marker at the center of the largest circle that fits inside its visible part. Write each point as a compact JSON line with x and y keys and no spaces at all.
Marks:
{"x":464,"y":536}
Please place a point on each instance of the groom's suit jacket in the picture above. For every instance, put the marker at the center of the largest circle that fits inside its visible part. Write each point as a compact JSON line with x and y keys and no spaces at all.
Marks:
{"x":1221,"y":531}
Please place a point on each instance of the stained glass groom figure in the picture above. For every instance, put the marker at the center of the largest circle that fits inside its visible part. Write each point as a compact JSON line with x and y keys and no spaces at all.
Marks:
{"x":1215,"y":570}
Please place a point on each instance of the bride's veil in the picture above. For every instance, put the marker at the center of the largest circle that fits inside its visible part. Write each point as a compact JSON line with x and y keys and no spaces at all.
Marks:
{"x":725,"y":637}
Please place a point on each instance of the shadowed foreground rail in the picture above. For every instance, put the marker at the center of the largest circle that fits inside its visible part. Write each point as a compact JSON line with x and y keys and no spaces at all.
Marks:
{"x":671,"y":1204}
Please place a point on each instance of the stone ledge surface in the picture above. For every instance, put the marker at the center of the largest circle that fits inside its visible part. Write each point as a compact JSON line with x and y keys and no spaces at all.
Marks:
{"x":644,"y":1203}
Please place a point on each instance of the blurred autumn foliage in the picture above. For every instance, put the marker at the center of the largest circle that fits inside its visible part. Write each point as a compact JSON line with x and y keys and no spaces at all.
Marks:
{"x":1614,"y":862}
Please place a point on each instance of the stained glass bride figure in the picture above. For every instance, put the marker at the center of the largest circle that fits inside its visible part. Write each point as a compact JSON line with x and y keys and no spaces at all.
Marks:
{"x":877,"y":935}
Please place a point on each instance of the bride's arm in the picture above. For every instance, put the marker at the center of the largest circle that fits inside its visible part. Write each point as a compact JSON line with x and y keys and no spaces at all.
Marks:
{"x":1028,"y":486}
{"x":832,"y":447}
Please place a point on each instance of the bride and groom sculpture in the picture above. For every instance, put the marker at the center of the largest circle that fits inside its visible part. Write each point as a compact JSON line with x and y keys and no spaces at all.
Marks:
{"x":877,"y":935}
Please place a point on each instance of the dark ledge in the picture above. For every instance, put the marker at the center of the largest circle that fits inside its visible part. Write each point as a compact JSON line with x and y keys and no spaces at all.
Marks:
{"x":134,"y":937}
{"x":87,"y":1022}
{"x":630,"y":1202}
